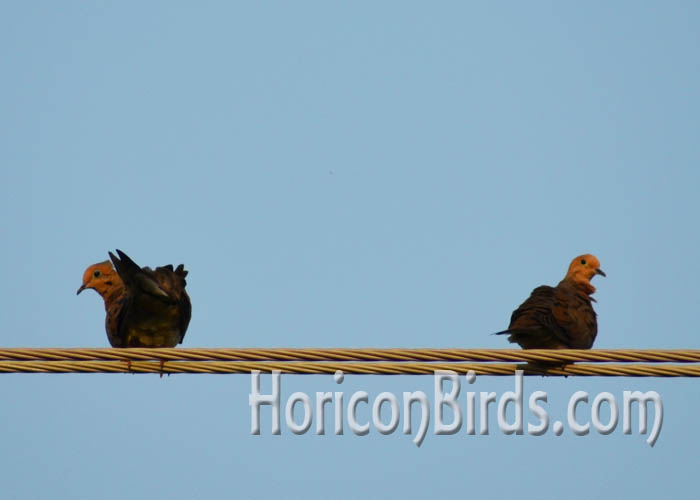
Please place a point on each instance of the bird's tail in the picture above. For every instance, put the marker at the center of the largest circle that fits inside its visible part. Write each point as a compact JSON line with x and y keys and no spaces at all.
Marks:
{"x":504,"y":332}
{"x":181,"y":270}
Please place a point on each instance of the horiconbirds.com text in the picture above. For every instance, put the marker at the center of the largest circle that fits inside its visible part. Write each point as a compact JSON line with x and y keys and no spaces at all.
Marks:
{"x":583,"y":412}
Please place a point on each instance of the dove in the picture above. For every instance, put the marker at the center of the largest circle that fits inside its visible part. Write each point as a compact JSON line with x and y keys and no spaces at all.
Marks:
{"x":560,"y":317}
{"x":144,"y":307}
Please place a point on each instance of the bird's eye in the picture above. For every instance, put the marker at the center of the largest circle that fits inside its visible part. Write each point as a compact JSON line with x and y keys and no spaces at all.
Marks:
{"x":583,"y":262}
{"x":97,"y":273}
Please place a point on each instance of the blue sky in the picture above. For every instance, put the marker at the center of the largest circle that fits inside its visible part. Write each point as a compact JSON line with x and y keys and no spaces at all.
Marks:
{"x":395,"y":174}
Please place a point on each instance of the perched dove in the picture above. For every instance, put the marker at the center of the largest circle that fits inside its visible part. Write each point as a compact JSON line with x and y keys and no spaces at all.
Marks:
{"x":145,"y":307}
{"x":561,"y":317}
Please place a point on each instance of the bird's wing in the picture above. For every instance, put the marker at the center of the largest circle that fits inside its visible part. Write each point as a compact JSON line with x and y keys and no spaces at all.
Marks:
{"x":174,"y":283}
{"x":544,"y":308}
{"x":136,"y":279}
{"x":117,"y":311}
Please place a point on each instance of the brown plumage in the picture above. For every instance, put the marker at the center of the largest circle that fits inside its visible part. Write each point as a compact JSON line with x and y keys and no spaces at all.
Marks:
{"x":560,"y":317}
{"x":145,"y":307}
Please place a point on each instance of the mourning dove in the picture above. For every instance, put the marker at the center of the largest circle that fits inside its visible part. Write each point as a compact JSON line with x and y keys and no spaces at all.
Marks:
{"x":145,"y":307}
{"x":560,"y":317}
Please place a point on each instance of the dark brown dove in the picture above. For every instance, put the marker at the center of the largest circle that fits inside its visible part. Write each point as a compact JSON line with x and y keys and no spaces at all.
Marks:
{"x":561,"y":317}
{"x":145,"y":307}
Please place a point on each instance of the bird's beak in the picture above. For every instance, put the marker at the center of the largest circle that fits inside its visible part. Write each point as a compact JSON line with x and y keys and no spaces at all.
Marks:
{"x":599,"y":271}
{"x":81,"y":289}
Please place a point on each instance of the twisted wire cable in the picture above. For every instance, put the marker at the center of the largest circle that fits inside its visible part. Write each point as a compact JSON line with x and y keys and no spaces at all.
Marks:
{"x":361,"y":368}
{"x":351,"y":354}
{"x":565,"y":362}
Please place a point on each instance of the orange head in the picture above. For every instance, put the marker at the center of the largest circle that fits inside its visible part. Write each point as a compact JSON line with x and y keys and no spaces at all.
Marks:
{"x":101,"y":277}
{"x":582,"y":269}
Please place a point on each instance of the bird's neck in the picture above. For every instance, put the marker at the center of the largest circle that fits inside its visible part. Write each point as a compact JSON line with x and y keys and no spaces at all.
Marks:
{"x":579,"y":283}
{"x":111,"y":294}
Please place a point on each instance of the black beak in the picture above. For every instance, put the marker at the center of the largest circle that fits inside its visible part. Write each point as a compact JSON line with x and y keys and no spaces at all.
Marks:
{"x":81,"y":289}
{"x":599,"y":271}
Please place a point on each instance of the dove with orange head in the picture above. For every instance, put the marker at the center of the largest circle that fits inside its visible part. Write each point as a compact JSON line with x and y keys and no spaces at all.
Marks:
{"x":560,"y":317}
{"x":144,"y":307}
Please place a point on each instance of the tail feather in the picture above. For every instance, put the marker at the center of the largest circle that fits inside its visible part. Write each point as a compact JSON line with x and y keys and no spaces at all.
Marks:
{"x":181,"y":271}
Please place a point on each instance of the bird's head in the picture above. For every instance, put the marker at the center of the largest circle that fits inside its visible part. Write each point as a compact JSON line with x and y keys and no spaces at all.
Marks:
{"x":582,"y":269}
{"x":101,"y":277}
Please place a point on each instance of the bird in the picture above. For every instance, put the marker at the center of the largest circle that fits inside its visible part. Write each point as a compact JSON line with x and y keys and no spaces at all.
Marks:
{"x":560,"y":317}
{"x":144,"y":307}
